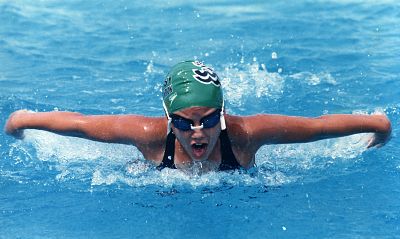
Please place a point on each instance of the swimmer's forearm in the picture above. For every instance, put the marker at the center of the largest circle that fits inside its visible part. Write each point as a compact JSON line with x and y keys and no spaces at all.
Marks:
{"x":280,"y":129}
{"x":342,"y":125}
{"x":60,"y":122}
{"x":63,"y":123}
{"x":302,"y":130}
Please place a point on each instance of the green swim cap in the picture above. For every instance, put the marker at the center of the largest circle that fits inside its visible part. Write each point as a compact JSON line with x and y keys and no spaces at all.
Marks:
{"x":191,"y":83}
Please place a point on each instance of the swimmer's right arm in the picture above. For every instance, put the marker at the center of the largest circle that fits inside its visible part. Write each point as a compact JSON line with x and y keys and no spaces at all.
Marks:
{"x":129,"y":129}
{"x":65,"y":123}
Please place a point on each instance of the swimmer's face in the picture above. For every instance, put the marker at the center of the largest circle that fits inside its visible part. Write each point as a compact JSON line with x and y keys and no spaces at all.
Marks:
{"x":199,"y":144}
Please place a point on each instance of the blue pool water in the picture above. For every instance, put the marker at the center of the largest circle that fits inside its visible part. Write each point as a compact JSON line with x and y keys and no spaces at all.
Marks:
{"x":305,"y":58}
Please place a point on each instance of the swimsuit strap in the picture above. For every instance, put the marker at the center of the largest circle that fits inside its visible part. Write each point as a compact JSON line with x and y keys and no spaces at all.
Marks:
{"x":168,"y":159}
{"x":228,"y":159}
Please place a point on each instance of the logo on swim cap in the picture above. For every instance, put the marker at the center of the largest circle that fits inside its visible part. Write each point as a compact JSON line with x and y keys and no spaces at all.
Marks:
{"x":205,"y":75}
{"x":167,"y":87}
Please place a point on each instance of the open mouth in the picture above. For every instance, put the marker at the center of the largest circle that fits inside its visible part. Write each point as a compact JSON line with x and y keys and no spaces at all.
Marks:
{"x":199,"y":149}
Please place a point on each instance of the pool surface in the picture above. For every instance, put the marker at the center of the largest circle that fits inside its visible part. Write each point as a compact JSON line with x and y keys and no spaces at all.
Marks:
{"x":305,"y":58}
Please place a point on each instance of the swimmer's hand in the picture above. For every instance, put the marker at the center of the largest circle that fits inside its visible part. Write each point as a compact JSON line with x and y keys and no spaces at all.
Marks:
{"x":12,"y":128}
{"x":381,"y":137}
{"x":378,"y":140}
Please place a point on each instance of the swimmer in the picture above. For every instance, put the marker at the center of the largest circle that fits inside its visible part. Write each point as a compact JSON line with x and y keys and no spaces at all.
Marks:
{"x":196,"y":129}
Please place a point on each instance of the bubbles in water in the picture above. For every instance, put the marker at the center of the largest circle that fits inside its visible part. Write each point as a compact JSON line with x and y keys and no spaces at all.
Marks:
{"x":249,"y":80}
{"x":314,"y":79}
{"x":150,"y":67}
{"x":296,"y":160}
{"x":99,"y":179}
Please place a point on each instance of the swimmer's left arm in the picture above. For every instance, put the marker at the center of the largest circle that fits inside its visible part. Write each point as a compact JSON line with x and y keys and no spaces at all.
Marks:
{"x":270,"y":129}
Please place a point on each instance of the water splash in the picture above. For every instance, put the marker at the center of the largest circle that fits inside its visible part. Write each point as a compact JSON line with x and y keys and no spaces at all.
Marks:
{"x":314,"y":79}
{"x":112,"y":164}
{"x":245,"y":81}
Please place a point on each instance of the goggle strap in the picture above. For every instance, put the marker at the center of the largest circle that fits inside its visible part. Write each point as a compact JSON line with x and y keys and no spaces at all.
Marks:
{"x":169,"y":118}
{"x":169,"y":126}
{"x":222,"y":118}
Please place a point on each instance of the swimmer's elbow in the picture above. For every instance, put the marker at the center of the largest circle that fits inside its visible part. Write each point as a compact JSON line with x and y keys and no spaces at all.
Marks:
{"x":385,"y":126}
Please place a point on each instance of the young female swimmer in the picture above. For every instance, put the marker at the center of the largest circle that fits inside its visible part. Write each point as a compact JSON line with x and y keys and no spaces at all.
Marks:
{"x":196,"y":128}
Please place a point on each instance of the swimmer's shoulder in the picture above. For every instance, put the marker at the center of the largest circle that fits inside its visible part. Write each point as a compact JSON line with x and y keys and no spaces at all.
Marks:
{"x":237,"y":129}
{"x":241,"y":124}
{"x":249,"y":131}
{"x":148,"y":134}
{"x":142,"y":129}
{"x":241,"y":141}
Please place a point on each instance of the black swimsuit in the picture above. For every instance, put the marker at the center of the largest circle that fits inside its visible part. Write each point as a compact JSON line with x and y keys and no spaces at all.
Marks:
{"x":228,"y":159}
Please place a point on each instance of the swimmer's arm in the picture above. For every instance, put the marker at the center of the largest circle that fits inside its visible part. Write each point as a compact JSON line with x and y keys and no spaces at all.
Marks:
{"x":270,"y":129}
{"x":129,"y":129}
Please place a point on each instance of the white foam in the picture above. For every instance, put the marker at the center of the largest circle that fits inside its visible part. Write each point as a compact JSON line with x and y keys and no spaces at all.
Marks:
{"x":250,"y":80}
{"x":303,"y":156}
{"x":70,"y":149}
{"x":314,"y":79}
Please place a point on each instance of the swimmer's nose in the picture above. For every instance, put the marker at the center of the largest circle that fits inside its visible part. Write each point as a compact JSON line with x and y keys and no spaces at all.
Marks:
{"x":197,"y":132}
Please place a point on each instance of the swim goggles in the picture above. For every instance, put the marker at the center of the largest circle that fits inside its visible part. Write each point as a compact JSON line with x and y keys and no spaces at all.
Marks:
{"x":206,"y":122}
